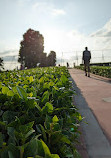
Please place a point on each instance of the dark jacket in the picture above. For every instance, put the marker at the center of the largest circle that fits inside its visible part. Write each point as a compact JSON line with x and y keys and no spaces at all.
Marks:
{"x":86,"y":55}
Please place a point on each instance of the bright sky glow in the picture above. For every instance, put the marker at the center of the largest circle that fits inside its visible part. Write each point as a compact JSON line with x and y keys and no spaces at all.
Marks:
{"x":67,"y":25}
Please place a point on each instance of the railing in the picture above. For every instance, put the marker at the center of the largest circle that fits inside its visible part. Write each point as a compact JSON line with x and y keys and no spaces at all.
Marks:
{"x":72,"y":57}
{"x":75,"y":57}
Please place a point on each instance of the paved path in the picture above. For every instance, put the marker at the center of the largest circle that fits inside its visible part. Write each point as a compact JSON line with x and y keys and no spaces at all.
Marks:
{"x":94,"y":102}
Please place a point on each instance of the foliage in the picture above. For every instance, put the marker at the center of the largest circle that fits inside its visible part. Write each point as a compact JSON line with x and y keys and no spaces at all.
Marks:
{"x":1,"y":64}
{"x":102,"y":71}
{"x":52,"y":58}
{"x":99,"y":70}
{"x":31,"y":50}
{"x":37,"y":116}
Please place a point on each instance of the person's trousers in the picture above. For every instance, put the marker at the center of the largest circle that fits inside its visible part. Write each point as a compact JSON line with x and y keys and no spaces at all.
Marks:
{"x":87,"y":66}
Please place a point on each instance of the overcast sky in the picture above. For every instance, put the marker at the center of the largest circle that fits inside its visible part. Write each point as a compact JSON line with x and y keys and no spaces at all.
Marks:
{"x":67,"y":25}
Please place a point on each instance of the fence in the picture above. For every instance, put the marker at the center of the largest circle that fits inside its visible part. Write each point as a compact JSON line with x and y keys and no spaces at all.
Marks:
{"x":75,"y":57}
{"x":72,"y":57}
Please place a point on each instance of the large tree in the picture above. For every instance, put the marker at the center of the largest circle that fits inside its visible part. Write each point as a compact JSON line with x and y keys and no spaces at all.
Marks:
{"x":31,"y":49}
{"x":1,"y":64}
{"x":52,"y":58}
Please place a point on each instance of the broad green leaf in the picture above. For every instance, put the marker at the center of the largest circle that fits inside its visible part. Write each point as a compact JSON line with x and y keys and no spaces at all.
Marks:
{"x":47,"y":108}
{"x":33,"y":148}
{"x":46,"y":86}
{"x":41,"y":79}
{"x":64,"y":79}
{"x":55,"y":119}
{"x":10,"y":131}
{"x":51,"y":84}
{"x":31,"y":103}
{"x":18,"y":83}
{"x":46,"y":149}
{"x":40,"y":149}
{"x":10,"y":93}
{"x":56,"y":88}
{"x":65,"y":139}
{"x":34,"y":90}
{"x":22,"y":92}
{"x":80,"y":118}
{"x":10,"y":154}
{"x":38,"y":129}
{"x":13,"y":151}
{"x":44,"y":110}
{"x":43,"y":133}
{"x":54,"y":156}
{"x":26,"y":128}
{"x":29,"y":133}
{"x":9,"y":116}
{"x":50,"y":106}
{"x":5,"y":90}
{"x":30,"y":94}
{"x":3,"y":123}
{"x":69,"y":119}
{"x":25,"y":86}
{"x":45,"y":97}
{"x":31,"y":79}
{"x":4,"y":143}
{"x":47,"y":122}
{"x":14,"y":89}
{"x":38,"y":107}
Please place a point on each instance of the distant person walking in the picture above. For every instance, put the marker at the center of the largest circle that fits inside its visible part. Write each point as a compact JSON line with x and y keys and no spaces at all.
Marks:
{"x":67,"y":65}
{"x":86,"y":58}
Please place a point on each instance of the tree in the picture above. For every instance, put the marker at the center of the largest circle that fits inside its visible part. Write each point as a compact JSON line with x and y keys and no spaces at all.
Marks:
{"x":52,"y":58}
{"x":1,"y":64}
{"x":31,"y":49}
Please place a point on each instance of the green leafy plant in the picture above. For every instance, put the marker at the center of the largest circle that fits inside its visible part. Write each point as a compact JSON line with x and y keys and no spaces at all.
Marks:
{"x":104,"y":71}
{"x":37,"y":116}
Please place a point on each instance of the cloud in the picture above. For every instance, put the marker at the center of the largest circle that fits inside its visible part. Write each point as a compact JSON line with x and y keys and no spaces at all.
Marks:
{"x":40,"y":5}
{"x":64,"y":41}
{"x":102,"y":37}
{"x":103,"y":32}
{"x":36,"y":5}
{"x":70,"y":44}
{"x":8,"y":53}
{"x":57,"y":12}
{"x":47,"y":8}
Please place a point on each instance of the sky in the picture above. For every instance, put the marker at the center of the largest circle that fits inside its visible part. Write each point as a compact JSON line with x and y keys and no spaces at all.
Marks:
{"x":68,"y":26}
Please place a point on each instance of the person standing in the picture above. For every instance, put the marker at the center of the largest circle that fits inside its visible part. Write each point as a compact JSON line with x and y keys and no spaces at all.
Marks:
{"x":67,"y":65}
{"x":86,"y":58}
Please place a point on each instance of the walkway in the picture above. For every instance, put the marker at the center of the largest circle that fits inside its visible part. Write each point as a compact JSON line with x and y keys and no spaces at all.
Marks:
{"x":94,"y":102}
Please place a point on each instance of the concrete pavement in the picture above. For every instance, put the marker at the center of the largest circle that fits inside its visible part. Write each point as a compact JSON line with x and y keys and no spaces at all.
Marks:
{"x":93,"y":100}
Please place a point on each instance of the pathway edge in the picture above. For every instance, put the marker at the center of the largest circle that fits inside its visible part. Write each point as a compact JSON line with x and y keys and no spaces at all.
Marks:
{"x":96,"y":142}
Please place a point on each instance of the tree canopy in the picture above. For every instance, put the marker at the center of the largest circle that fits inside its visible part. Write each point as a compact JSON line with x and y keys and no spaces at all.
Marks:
{"x":1,"y":64}
{"x":52,"y":58}
{"x":31,"y":51}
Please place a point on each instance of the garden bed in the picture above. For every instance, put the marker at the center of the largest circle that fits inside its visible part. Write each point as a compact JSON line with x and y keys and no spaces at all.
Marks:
{"x":37,"y":116}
